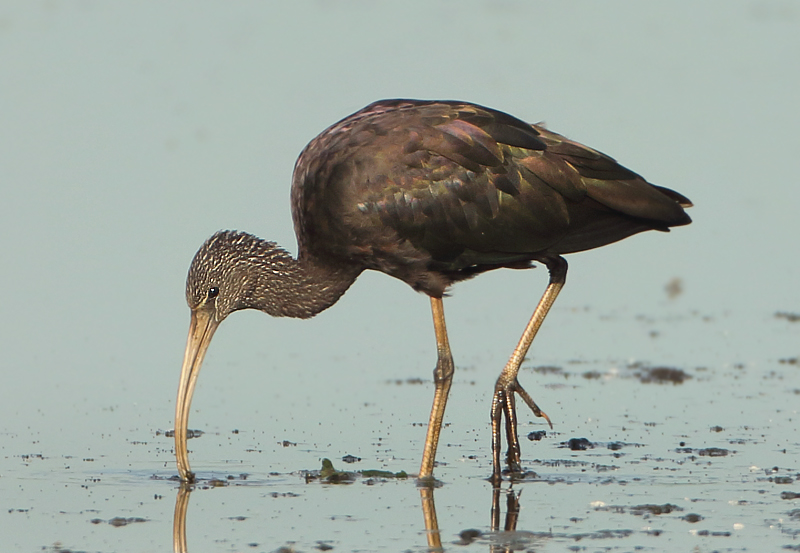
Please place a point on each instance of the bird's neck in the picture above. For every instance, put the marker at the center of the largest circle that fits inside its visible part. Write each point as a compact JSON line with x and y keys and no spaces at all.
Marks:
{"x":297,"y":288}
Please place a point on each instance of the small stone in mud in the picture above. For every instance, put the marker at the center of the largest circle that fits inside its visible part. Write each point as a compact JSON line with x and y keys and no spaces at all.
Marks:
{"x":712,"y":452}
{"x":790,"y":495}
{"x":692,"y":517}
{"x":287,"y":443}
{"x":323,"y":546}
{"x":717,"y":429}
{"x":579,"y":444}
{"x":537,"y":435}
{"x":351,"y":459}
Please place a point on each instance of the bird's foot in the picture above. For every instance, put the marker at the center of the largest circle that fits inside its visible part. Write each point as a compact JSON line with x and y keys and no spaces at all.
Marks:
{"x":504,"y":405}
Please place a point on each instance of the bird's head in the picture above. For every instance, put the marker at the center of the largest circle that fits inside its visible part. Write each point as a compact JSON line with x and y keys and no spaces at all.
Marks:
{"x":214,"y":284}
{"x":221,"y":280}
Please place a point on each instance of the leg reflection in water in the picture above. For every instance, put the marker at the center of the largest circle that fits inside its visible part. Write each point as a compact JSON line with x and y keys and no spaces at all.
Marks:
{"x":505,"y":539}
{"x":179,"y":520}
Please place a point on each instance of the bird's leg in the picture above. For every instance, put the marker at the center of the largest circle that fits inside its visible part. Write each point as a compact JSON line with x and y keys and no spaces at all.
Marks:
{"x":503,"y":403}
{"x":442,"y":378}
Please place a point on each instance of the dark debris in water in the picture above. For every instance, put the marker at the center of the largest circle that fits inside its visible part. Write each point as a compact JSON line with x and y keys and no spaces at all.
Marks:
{"x":659,"y":375}
{"x":713,"y":452}
{"x":59,"y":548}
{"x":468,"y":536}
{"x":383,"y":474}
{"x":351,"y":459}
{"x":411,"y":381}
{"x":578,"y":444}
{"x":641,"y":510}
{"x":790,"y":495}
{"x":692,"y":518}
{"x":537,"y":435}
{"x":713,"y":534}
{"x":284,"y":494}
{"x":118,"y":521}
{"x":524,"y":476}
{"x":548,"y":369}
{"x":189,"y":433}
{"x":516,"y":540}
{"x":705,"y":452}
{"x":791,"y":317}
{"x":790,"y":361}
{"x":781,"y":479}
{"x":664,"y":509}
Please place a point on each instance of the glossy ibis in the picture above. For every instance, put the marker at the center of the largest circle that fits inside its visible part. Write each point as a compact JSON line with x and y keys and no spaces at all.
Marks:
{"x":432,"y":193}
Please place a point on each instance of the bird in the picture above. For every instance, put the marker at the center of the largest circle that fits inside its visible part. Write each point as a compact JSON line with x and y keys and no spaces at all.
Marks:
{"x":431,"y":193}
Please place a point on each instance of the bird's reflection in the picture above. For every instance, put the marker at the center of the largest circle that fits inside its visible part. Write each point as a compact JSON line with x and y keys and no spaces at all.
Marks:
{"x":426,"y":492}
{"x":433,"y":533}
{"x":179,"y":520}
{"x":512,"y":509}
{"x":429,"y":516}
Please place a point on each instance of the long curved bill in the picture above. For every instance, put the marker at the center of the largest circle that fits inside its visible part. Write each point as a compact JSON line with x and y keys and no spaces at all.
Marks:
{"x":201,"y":329}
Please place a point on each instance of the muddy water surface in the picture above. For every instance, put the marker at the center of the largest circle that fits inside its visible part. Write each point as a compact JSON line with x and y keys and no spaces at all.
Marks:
{"x":696,"y":455}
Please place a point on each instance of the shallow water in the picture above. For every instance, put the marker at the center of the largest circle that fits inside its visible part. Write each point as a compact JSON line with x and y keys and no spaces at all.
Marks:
{"x":131,"y":132}
{"x":707,"y":463}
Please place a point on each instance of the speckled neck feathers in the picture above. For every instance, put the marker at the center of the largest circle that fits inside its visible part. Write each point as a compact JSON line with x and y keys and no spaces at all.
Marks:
{"x":251,"y":273}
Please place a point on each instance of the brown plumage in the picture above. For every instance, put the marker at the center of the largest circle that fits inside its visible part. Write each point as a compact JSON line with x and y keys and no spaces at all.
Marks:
{"x":431,"y":193}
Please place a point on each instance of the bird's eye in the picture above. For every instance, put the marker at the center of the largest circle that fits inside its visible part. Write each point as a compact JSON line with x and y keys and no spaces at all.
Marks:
{"x":213,"y":292}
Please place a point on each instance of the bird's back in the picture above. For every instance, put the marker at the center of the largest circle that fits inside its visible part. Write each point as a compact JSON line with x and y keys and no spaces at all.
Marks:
{"x":435,"y":192}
